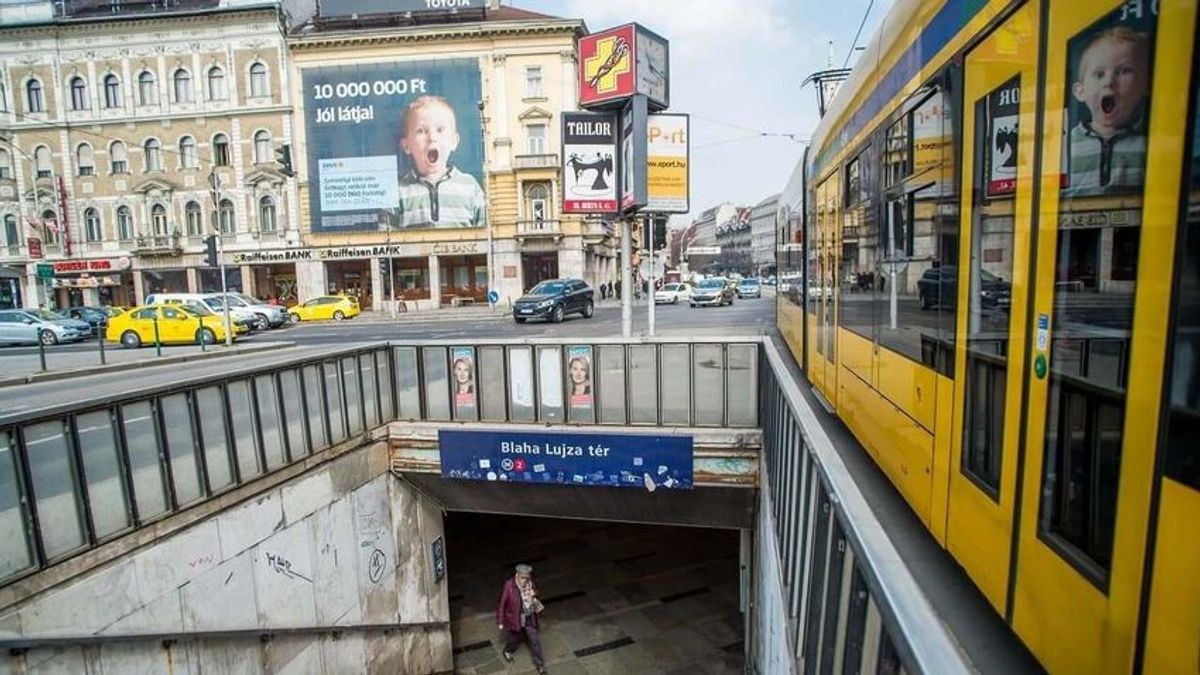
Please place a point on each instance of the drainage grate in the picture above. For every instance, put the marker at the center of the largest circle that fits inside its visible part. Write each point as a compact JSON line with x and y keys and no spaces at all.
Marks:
{"x":596,"y":649}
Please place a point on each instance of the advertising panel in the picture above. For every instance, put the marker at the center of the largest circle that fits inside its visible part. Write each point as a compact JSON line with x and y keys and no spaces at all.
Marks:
{"x":606,"y":66}
{"x":463,"y":373}
{"x":667,"y":149}
{"x":579,"y":376}
{"x":566,"y":458}
{"x":331,"y":9}
{"x":589,"y":156}
{"x":394,"y":145}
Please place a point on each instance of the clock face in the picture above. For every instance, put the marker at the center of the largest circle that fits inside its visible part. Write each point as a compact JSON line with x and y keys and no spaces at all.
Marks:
{"x":652,"y":67}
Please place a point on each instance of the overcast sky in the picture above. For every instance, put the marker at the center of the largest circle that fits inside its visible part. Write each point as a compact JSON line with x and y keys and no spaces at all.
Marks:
{"x":736,"y":67}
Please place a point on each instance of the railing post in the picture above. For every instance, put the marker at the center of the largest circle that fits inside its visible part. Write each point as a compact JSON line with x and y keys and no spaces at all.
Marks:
{"x":157,"y":341}
{"x":41,"y":347}
{"x":101,"y":335}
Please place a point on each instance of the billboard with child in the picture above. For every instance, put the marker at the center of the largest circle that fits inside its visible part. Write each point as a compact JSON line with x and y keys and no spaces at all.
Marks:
{"x":394,"y":145}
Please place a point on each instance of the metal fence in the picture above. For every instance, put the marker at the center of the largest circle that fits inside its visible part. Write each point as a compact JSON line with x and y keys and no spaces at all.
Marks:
{"x":85,"y":474}
{"x":851,"y":605}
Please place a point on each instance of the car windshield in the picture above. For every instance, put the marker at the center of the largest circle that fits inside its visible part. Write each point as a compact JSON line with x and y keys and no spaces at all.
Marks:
{"x":199,"y":309}
{"x":48,"y":315}
{"x":748,"y":282}
{"x":548,"y":288}
{"x":246,"y":299}
{"x":112,"y":311}
{"x":671,"y":287}
{"x":711,"y":283}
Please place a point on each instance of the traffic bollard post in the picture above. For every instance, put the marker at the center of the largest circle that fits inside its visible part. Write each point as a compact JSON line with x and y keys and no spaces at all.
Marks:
{"x":41,"y":348}
{"x":100,"y":331}
{"x":157,"y":341}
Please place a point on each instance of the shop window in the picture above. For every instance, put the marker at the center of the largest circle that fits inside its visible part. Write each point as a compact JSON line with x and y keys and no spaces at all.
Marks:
{"x":537,"y":139}
{"x":147,"y":88}
{"x":85,"y":160}
{"x":1102,"y":172}
{"x":216,"y":84}
{"x":258,"y":81}
{"x":158,"y":219}
{"x":183,"y":86}
{"x":50,"y":226}
{"x":262,"y":147}
{"x":35,"y":101}
{"x":91,"y":225}
{"x":195,"y":219}
{"x":533,"y":82}
{"x":188,"y":158}
{"x":118,"y":157}
{"x":112,"y":91}
{"x":153,"y":152}
{"x":42,"y":161}
{"x":124,"y":223}
{"x":221,"y":150}
{"x":79,"y":96}
{"x":266,"y":214}
{"x":5,"y":165}
{"x":226,"y":218}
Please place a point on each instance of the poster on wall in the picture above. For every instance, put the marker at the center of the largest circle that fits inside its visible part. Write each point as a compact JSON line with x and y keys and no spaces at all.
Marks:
{"x":1003,"y":108}
{"x":667,"y":154}
{"x":589,"y":158}
{"x":394,"y":145}
{"x":462,"y":371}
{"x":579,"y":376}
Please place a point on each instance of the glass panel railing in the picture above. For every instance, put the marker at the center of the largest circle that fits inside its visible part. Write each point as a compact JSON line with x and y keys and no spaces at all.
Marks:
{"x":492,"y":384}
{"x":245,"y":433}
{"x":98,"y":451}
{"x":676,"y":384}
{"x":612,"y":384}
{"x":141,"y":446}
{"x":643,"y":384}
{"x":708,"y":372}
{"x":15,"y":555}
{"x":314,"y":407}
{"x":181,"y":448}
{"x":293,"y":413}
{"x":210,"y":404}
{"x":437,"y":383}
{"x":270,"y":421}
{"x":52,"y":475}
{"x":335,"y":402}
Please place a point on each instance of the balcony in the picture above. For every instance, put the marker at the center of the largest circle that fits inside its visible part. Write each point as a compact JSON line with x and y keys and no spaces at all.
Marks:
{"x":535,"y":162}
{"x":539,"y":228}
{"x":158,"y":245}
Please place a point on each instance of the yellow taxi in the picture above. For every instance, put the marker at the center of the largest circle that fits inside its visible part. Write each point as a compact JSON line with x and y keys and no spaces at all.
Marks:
{"x":336,"y":307}
{"x":176,"y":324}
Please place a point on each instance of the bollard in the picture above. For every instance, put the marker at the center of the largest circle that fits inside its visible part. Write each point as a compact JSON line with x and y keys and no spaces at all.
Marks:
{"x":41,"y":349}
{"x":101,"y":332}
{"x":157,"y":342}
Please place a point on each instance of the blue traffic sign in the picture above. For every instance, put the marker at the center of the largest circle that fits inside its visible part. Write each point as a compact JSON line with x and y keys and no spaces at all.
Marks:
{"x":493,"y":297}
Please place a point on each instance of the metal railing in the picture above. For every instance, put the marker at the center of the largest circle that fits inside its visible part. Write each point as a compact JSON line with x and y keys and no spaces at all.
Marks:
{"x":87,"y":472}
{"x":535,"y":161}
{"x":849,"y":600}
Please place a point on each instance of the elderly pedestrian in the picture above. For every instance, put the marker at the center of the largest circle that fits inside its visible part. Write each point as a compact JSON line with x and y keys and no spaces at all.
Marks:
{"x":517,"y":615}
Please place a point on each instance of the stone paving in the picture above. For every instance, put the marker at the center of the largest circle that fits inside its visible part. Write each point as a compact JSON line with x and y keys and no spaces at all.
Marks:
{"x":622,"y":599}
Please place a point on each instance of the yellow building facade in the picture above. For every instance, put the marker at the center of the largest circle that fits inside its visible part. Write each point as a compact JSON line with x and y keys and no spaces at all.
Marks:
{"x":111,"y":127}
{"x":526,"y":67}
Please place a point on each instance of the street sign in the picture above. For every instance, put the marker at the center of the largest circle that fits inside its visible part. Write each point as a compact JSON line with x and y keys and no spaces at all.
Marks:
{"x":45,"y":271}
{"x":437,"y":550}
{"x":633,"y":154}
{"x":589,"y":160}
{"x":493,"y":297}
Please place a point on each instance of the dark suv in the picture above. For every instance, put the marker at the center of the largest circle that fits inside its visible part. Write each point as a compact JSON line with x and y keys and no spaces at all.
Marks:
{"x":938,"y":286}
{"x":553,"y":299}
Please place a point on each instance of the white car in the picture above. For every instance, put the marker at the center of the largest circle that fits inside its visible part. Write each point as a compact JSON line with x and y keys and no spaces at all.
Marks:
{"x":673,"y":293}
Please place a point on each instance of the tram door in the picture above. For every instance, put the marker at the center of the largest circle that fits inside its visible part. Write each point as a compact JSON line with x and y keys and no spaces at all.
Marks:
{"x":1107,"y":212}
{"x":821,"y":290}
{"x":999,"y":143}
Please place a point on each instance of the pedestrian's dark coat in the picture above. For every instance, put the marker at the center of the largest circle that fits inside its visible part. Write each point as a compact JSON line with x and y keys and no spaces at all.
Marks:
{"x":508,"y":614}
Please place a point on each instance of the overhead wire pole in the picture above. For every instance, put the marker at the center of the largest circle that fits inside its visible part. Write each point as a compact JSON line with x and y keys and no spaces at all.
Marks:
{"x":650,"y":287}
{"x":214,"y":180}
{"x":626,"y":279}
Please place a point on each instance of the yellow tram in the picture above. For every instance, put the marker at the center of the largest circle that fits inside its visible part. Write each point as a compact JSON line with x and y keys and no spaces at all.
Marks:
{"x":995,"y":236}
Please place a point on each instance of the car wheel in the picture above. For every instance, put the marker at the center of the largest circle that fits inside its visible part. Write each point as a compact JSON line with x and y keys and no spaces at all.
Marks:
{"x":675,"y":300}
{"x":206,"y":336}
{"x":338,"y":315}
{"x":588,"y":310}
{"x":557,"y":315}
{"x":261,"y":322}
{"x":293,"y":318}
{"x":48,"y":337}
{"x":519,"y":319}
{"x":130,"y":340}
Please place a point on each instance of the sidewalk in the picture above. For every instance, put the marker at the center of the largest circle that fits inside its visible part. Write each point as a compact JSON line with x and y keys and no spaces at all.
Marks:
{"x":476,"y":312}
{"x":25,"y":368}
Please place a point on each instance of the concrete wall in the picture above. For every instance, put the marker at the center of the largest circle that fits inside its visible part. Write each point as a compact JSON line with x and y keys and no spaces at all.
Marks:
{"x":345,"y":545}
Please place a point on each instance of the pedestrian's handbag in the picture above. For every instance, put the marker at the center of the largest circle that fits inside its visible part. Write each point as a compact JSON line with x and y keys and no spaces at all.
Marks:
{"x":536,"y":605}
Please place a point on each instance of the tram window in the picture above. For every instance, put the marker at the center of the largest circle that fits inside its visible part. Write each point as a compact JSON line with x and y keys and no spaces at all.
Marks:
{"x":990,"y":294}
{"x":854,"y":191}
{"x":1103,"y":171}
{"x":1182,"y":440}
{"x":896,"y":149}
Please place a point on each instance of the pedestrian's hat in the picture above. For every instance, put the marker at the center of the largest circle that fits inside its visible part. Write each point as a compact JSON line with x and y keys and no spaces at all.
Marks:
{"x":524,"y":569}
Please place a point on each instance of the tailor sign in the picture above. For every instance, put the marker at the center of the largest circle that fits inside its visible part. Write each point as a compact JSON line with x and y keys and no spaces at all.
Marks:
{"x":589,"y":159}
{"x":564,"y":458}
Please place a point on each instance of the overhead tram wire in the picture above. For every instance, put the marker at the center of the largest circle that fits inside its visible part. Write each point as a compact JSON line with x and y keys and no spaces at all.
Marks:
{"x":857,"y":35}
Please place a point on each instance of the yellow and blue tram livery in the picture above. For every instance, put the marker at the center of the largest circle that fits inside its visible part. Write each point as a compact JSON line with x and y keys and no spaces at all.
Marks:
{"x":997,"y":228}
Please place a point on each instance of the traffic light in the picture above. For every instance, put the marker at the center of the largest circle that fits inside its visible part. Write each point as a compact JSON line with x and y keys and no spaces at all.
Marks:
{"x":283,"y":155}
{"x":211,"y":257}
{"x":659,"y":223}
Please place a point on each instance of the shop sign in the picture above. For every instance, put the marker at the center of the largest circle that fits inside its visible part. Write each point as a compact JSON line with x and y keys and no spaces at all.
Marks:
{"x":101,"y":265}
{"x":45,"y":271}
{"x":667,"y":153}
{"x":353,"y":252}
{"x":85,"y":282}
{"x":568,"y":458}
{"x":589,"y":150}
{"x":617,"y":63}
{"x":35,"y":247}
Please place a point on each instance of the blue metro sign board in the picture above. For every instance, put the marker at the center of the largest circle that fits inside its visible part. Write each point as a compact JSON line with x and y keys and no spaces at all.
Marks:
{"x":566,"y":458}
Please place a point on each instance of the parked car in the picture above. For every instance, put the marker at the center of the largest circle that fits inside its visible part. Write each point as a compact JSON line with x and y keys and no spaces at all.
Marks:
{"x":712,"y":291}
{"x":96,"y":317}
{"x":672,"y":293}
{"x":27,"y":326}
{"x":749,"y":288}
{"x":258,"y":317}
{"x":553,"y":299}
{"x":938,"y":287}
{"x":336,"y":307}
{"x":276,"y":315}
{"x":177,"y":324}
